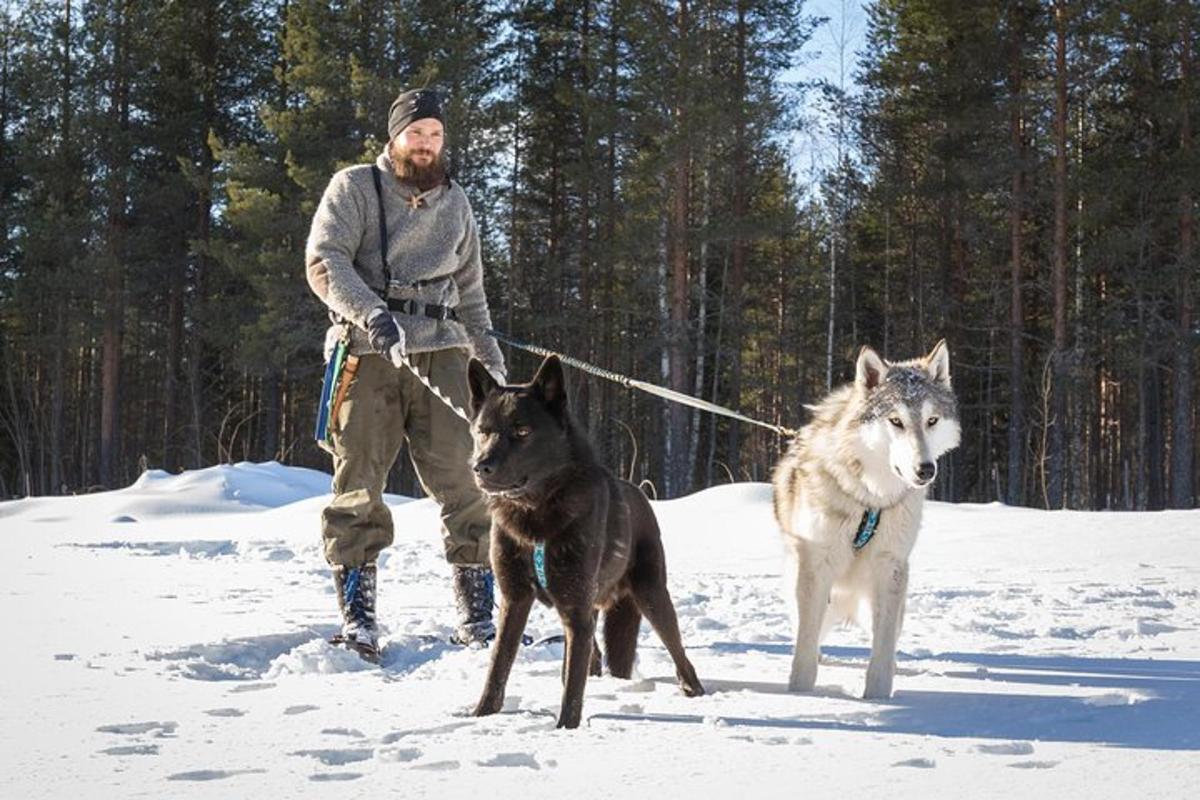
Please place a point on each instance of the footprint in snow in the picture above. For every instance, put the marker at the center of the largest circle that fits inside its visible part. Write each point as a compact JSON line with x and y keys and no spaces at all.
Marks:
{"x":395,"y":736}
{"x":920,"y":763}
{"x":225,"y":712}
{"x":337,"y":758}
{"x":400,"y":755}
{"x":159,"y":729}
{"x":1005,"y":749}
{"x":1035,"y":764}
{"x":293,"y":710}
{"x":131,"y":750}
{"x":335,"y":776}
{"x":511,"y":760}
{"x":251,"y":687}
{"x":212,"y":774}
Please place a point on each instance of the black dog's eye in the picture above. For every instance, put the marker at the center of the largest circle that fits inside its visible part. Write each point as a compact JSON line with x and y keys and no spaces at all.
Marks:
{"x":521,"y":431}
{"x":933,"y":421}
{"x":896,"y":423}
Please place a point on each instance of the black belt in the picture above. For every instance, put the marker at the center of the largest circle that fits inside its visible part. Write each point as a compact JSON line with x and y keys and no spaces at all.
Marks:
{"x":422,"y":309}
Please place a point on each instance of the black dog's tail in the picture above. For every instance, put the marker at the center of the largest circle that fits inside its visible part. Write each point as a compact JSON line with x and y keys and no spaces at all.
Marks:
{"x":621,"y":624}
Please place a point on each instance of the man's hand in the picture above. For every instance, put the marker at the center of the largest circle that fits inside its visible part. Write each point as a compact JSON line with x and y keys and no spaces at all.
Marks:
{"x":385,"y":336}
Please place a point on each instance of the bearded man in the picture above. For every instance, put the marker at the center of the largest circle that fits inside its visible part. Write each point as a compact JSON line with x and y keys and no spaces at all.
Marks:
{"x":394,"y":253}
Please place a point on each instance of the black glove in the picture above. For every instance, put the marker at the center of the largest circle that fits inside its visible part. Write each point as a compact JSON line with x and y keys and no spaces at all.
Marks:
{"x":385,"y":336}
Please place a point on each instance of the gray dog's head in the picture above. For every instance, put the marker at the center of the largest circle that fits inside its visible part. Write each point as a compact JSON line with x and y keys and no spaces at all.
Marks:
{"x":907,"y":411}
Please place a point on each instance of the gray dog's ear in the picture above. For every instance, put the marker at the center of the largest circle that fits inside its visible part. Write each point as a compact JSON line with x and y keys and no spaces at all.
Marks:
{"x":870,"y":369}
{"x":938,"y":363}
{"x":482,"y":384}
{"x":550,"y":384}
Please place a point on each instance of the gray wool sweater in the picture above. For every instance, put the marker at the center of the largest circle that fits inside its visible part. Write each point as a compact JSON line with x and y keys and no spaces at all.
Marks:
{"x":433,"y":254}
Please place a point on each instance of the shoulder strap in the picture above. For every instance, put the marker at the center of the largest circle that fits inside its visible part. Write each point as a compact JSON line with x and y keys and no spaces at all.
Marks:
{"x":383,"y":234}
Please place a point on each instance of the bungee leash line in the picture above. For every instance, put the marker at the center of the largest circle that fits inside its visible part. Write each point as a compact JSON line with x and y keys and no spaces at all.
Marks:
{"x":631,"y":383}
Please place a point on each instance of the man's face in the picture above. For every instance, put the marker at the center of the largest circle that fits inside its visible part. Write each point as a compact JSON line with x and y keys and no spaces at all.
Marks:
{"x":422,"y":141}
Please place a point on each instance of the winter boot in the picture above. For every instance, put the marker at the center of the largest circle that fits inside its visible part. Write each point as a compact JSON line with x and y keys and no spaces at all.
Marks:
{"x":473,"y":598}
{"x":356,"y":599}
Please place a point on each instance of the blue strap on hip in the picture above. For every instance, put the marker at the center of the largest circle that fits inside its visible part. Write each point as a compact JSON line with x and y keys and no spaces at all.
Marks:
{"x":539,"y":563}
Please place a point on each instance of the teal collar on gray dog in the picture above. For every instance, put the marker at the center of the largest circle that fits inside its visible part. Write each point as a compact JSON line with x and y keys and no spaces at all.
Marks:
{"x":866,"y":528}
{"x":539,"y":563}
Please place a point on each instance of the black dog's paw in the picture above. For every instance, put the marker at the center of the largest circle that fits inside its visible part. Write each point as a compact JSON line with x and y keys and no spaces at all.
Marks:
{"x":486,"y":708}
{"x":692,"y":689}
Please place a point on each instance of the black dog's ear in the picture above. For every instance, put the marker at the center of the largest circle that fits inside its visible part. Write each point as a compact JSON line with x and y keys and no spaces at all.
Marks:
{"x":482,"y":384}
{"x":549,"y":383}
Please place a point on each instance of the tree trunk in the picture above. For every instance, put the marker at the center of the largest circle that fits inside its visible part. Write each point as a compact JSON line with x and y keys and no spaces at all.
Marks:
{"x":677,"y":256}
{"x":200,"y":351}
{"x":582,"y":395}
{"x":608,"y":403}
{"x":1016,"y":415}
{"x":1059,"y":384}
{"x":114,"y":278}
{"x":1182,"y":440}
{"x":170,"y":451}
{"x":737,"y":272}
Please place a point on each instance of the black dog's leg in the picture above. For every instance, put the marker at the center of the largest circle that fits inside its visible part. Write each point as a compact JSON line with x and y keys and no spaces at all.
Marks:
{"x":580,"y":632}
{"x":513,"y":614}
{"x":595,"y":666}
{"x":621,"y":624}
{"x":653,"y":600}
{"x":516,"y":600}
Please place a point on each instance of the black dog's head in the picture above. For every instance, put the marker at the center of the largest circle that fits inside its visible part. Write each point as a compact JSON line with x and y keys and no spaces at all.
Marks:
{"x":522,"y":433}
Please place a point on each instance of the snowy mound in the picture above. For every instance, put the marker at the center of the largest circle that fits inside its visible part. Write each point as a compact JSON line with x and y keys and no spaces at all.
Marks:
{"x":214,"y":490}
{"x":253,"y":486}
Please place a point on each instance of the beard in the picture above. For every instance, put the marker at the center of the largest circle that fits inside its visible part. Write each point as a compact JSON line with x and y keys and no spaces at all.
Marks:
{"x":424,"y":176}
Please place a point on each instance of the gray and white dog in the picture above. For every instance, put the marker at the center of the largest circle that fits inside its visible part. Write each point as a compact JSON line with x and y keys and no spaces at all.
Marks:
{"x":848,"y":497}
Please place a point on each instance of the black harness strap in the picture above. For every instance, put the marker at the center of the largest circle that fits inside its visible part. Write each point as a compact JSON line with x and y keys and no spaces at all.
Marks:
{"x":383,"y":236}
{"x":418,"y":309}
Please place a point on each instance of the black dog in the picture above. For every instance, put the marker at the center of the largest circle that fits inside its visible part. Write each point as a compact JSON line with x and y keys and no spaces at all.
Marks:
{"x":568,"y":532}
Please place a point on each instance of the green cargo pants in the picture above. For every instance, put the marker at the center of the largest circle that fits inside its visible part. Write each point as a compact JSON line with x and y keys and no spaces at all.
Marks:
{"x":383,"y":407}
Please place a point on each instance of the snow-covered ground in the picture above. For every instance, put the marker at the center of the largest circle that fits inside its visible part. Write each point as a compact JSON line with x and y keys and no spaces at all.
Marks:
{"x":167,"y":640}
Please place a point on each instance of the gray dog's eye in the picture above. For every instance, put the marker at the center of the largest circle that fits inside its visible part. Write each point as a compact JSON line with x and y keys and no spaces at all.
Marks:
{"x":933,"y":421}
{"x":896,"y":422}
